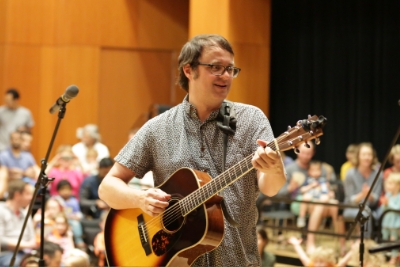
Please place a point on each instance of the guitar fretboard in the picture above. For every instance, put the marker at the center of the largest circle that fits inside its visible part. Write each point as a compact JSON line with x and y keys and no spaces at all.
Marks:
{"x":200,"y":196}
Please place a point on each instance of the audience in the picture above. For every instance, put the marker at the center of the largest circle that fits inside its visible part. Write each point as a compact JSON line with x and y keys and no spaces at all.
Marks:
{"x":267,"y":258}
{"x":12,"y":116}
{"x":394,"y":159}
{"x":320,"y":257}
{"x":358,"y":182}
{"x":99,"y":243}
{"x":391,"y":221}
{"x":296,"y":176}
{"x":70,"y":206}
{"x":90,"y":138}
{"x":350,"y":153}
{"x":52,"y":254}
{"x":12,"y":217}
{"x":65,"y":166}
{"x":90,"y":203}
{"x":20,"y":164}
{"x":316,"y":187}
{"x":62,"y":235}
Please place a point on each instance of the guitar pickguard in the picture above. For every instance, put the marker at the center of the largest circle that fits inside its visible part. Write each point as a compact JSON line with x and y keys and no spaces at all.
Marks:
{"x":162,"y":242}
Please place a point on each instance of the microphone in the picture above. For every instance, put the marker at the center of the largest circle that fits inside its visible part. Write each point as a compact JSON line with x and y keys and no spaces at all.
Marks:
{"x":70,"y":93}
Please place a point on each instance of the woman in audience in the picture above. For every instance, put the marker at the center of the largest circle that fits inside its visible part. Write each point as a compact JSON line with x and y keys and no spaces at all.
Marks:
{"x":62,"y":235}
{"x":358,"y":183}
{"x":394,"y":158}
{"x":65,"y":166}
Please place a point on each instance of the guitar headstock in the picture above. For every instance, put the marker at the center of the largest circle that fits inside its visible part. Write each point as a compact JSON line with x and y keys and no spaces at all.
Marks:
{"x":304,"y":131}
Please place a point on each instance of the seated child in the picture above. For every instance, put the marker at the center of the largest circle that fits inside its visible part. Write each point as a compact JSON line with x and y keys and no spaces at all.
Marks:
{"x":391,"y":220}
{"x":314,"y":188}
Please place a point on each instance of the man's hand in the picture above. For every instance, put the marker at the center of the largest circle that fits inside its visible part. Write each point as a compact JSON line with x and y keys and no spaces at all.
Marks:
{"x":266,"y":160}
{"x":154,"y":201}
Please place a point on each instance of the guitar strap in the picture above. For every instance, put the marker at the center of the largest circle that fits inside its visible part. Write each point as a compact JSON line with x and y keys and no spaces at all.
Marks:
{"x":226,"y":122}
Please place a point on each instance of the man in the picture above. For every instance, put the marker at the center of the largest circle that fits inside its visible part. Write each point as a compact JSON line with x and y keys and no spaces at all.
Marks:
{"x":12,"y":116}
{"x":89,"y":199}
{"x":52,"y":254}
{"x":12,"y":216}
{"x":19,"y":163}
{"x":90,"y":139}
{"x":187,"y":136}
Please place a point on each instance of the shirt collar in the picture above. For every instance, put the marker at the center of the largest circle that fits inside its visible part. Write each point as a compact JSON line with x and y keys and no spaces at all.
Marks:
{"x":191,"y":110}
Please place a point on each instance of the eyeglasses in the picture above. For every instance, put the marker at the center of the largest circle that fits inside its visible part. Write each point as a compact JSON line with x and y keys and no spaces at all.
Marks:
{"x":219,"y":70}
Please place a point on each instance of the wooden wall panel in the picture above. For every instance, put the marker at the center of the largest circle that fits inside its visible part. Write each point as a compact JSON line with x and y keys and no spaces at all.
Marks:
{"x":246,"y":26}
{"x":61,"y":67}
{"x":30,"y":22}
{"x":209,"y":16}
{"x":3,"y":20}
{"x":130,"y":82}
{"x":252,"y":84}
{"x":249,"y":22}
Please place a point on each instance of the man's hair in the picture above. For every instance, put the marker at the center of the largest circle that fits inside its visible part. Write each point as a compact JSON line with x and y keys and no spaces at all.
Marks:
{"x":50,"y":248}
{"x":192,"y":51}
{"x":13,"y":92}
{"x":63,"y":183}
{"x":15,"y":186}
{"x":106,"y":162}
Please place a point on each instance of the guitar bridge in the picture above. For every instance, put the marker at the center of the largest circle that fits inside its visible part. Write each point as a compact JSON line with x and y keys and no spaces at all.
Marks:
{"x":144,"y":237}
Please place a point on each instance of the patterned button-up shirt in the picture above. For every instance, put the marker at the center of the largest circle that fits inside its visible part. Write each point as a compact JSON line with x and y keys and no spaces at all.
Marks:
{"x":177,"y":138}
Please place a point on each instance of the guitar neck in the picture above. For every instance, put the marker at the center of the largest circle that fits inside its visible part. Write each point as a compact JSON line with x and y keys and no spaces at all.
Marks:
{"x":204,"y":193}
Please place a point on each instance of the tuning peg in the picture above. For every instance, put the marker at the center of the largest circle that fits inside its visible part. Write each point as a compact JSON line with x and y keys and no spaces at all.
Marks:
{"x":309,"y":116}
{"x":307,"y":145}
{"x":296,"y":150}
{"x":289,"y":127}
{"x":317,"y":141}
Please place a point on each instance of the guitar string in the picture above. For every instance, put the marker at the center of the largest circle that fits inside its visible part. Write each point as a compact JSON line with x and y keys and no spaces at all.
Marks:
{"x":176,"y":211}
{"x":172,"y":214}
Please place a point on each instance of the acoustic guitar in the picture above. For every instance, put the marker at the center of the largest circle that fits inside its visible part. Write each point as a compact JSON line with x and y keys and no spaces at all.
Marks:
{"x":193,"y":223}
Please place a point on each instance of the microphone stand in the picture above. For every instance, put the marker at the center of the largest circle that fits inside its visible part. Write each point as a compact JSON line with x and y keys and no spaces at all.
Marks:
{"x":364,"y":212}
{"x":42,"y":182}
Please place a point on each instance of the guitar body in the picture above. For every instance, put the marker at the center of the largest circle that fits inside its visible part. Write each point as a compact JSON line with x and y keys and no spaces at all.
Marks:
{"x":133,"y":238}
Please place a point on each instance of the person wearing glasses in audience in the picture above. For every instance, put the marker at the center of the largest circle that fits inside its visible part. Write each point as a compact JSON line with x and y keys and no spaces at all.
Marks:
{"x":188,"y":135}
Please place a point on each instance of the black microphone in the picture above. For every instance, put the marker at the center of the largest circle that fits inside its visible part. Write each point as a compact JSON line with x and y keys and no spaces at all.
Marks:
{"x":70,"y":93}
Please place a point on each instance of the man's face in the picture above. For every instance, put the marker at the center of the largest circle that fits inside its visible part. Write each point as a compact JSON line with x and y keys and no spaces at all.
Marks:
{"x":15,"y":140}
{"x":53,"y":261}
{"x":205,"y":87}
{"x":9,"y":101}
{"x":25,"y":197}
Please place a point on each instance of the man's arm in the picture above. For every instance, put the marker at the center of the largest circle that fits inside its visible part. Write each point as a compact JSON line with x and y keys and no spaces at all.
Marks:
{"x":270,"y":171}
{"x":115,"y":191}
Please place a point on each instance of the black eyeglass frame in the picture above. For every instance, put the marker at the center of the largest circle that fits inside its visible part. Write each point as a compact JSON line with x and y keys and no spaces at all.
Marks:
{"x":227,"y":68}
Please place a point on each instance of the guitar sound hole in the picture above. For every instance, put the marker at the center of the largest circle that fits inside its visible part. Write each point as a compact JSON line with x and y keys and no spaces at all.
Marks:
{"x":172,"y":220}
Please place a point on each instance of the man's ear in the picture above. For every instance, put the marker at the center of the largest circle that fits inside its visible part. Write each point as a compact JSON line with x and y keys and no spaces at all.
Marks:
{"x":188,"y":71}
